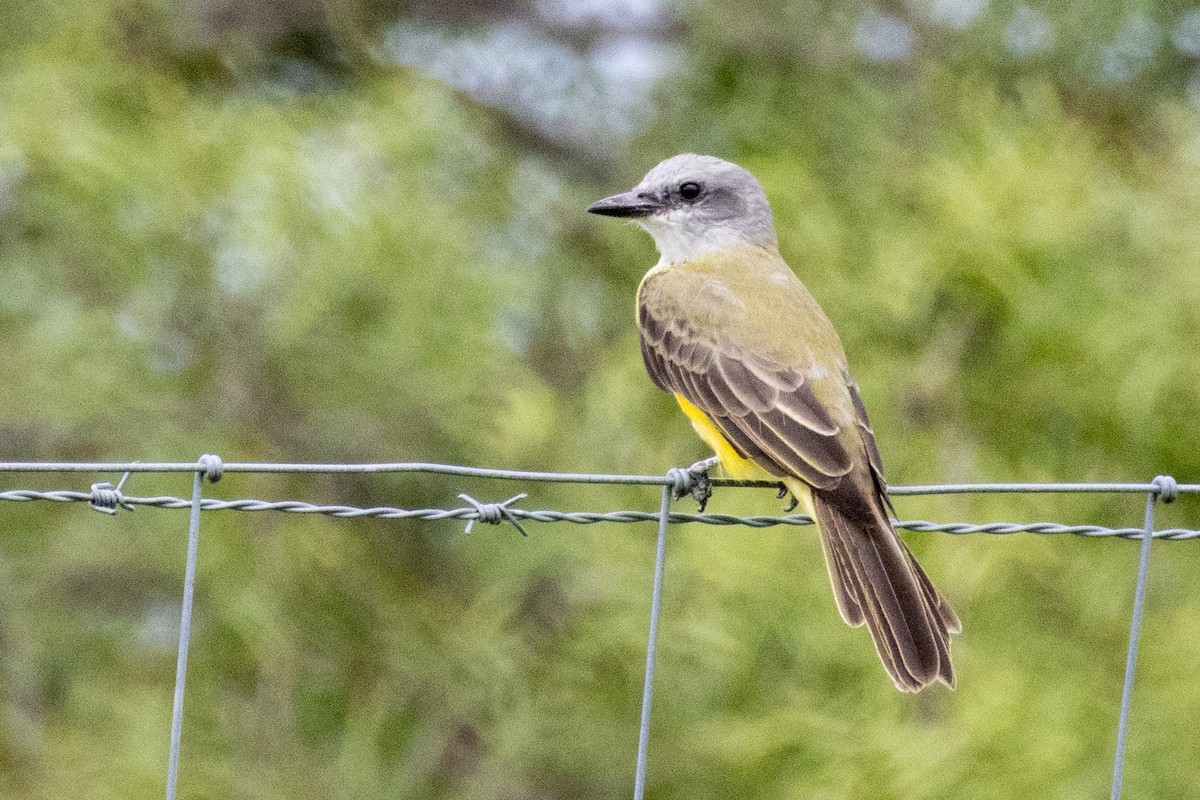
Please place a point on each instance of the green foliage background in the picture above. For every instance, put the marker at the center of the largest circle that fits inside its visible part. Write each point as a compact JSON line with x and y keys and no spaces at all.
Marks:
{"x":247,"y":232}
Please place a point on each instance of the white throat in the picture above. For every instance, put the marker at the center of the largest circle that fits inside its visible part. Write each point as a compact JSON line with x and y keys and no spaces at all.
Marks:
{"x":680,"y":238}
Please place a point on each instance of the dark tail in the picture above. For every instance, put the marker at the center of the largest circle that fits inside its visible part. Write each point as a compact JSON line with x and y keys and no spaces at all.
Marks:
{"x":877,"y":582}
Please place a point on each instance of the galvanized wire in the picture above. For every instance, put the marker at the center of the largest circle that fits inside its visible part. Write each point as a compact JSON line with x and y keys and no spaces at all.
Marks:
{"x":112,"y":498}
{"x":1166,"y":492}
{"x":660,"y":551}
{"x":185,"y":636}
{"x":561,"y":477}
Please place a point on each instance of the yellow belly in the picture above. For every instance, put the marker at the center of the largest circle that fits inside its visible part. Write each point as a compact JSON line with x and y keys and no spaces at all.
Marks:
{"x":735,"y":466}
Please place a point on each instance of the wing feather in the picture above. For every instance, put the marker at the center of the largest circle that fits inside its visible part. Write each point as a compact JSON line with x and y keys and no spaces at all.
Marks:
{"x":823,"y":459}
{"x":729,"y":404}
{"x":655,"y":366}
{"x":802,"y":407}
{"x":778,"y":376}
{"x":755,"y":394}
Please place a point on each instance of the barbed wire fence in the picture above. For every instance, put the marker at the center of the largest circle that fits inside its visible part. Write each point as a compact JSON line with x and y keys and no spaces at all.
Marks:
{"x":109,"y":498}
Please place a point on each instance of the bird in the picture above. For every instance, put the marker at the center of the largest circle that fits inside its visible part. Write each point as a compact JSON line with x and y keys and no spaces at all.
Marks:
{"x":728,"y":328}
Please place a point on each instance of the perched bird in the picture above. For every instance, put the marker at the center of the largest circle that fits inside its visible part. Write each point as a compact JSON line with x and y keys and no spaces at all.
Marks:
{"x":757,"y":367}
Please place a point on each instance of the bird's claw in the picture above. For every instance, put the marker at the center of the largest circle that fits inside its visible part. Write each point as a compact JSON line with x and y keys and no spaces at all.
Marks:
{"x":792,"y":501}
{"x":699,"y":486}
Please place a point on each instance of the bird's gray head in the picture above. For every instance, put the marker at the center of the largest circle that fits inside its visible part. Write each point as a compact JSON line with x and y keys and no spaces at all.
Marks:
{"x":695,"y":205}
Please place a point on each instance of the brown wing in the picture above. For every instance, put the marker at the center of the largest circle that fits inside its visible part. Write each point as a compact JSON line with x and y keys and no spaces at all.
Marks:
{"x":768,"y":411}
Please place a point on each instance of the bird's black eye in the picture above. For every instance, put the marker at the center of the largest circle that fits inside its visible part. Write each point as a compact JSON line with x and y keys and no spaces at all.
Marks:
{"x":689,"y":190}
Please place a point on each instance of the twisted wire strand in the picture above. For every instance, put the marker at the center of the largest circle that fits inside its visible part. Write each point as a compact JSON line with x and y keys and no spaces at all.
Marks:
{"x":472,"y":513}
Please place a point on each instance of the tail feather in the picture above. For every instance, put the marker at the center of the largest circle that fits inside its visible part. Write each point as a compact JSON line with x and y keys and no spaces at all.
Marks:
{"x":843,"y":580}
{"x":877,"y":582}
{"x":936,"y":602}
{"x":946,"y":619}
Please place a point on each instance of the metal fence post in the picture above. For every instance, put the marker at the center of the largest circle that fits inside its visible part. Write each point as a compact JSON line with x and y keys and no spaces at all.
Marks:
{"x":664,"y":516}
{"x":1166,"y":489}
{"x":208,"y":466}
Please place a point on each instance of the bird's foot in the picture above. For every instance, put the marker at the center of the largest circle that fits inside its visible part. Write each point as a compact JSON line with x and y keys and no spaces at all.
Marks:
{"x":694,"y":481}
{"x":792,"y":501}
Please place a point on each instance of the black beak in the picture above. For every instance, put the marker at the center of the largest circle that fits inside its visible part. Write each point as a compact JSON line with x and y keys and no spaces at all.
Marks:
{"x":629,"y":204}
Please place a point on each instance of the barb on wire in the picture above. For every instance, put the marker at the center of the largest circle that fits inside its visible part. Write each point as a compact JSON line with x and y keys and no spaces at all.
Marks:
{"x":493,"y":513}
{"x":107,"y":498}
